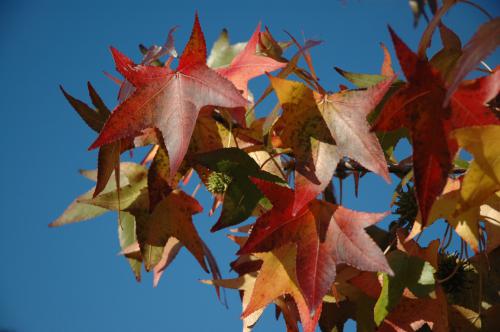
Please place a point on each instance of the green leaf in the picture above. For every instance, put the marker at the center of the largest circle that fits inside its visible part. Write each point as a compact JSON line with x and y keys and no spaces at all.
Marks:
{"x":152,"y":255}
{"x":240,"y":199}
{"x":128,"y":172}
{"x":78,"y":211}
{"x":389,"y":140}
{"x":242,"y":196}
{"x":409,"y":272}
{"x":127,"y":237}
{"x":121,"y":200}
{"x":461,"y":163}
{"x":361,"y":80}
{"x":235,"y":163}
{"x":223,"y":52}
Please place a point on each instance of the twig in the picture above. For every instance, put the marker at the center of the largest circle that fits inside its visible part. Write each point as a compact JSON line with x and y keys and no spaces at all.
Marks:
{"x":349,"y":165}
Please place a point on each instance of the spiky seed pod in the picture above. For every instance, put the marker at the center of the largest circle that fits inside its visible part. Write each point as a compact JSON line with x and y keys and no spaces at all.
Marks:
{"x":406,"y":207}
{"x":217,"y":183}
{"x":455,"y":273}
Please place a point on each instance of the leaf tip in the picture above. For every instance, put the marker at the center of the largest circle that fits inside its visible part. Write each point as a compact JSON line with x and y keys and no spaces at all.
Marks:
{"x":65,"y":93}
{"x":90,"y":87}
{"x":215,"y":227}
{"x":340,"y":71}
{"x":94,"y":145}
{"x":391,"y":30}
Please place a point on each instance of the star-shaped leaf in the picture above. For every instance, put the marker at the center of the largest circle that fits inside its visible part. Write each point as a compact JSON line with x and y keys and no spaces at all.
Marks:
{"x":278,"y":277}
{"x":169,"y":100}
{"x":247,"y":64}
{"x":311,"y":123}
{"x":325,"y":234}
{"x":172,"y":217}
{"x":465,"y":222}
{"x":418,"y":106}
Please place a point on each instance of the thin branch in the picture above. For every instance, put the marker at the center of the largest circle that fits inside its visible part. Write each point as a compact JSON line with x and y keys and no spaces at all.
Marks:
{"x":349,"y":165}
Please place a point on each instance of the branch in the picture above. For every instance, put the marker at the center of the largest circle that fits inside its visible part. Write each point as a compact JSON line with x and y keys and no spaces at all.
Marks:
{"x":404,"y":167}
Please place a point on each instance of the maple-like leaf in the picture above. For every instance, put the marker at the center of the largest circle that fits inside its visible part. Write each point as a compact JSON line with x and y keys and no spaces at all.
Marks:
{"x":325,"y":234}
{"x":388,"y":141}
{"x":248,"y":266}
{"x":418,"y":106}
{"x":465,"y":218}
{"x":277,"y":277}
{"x":169,"y":100}
{"x":247,"y":64}
{"x":172,"y":217}
{"x":312,"y":122}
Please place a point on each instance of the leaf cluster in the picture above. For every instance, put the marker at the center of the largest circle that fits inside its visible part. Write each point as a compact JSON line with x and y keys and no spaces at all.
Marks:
{"x":316,"y":261}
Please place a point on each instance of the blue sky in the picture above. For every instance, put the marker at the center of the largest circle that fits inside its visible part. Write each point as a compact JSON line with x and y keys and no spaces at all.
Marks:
{"x":70,"y":278}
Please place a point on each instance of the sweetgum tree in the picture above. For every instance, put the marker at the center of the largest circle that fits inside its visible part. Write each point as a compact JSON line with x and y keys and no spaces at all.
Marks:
{"x":316,"y":261}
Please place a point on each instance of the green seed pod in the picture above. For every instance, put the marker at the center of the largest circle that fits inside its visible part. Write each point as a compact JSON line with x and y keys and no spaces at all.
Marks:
{"x":217,"y":183}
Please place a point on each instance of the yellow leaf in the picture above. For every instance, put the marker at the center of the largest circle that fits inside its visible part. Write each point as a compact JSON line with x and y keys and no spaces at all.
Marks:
{"x":483,"y":176}
{"x":276,"y":278}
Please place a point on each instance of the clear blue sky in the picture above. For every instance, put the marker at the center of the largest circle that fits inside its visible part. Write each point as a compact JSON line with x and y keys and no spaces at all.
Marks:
{"x":70,"y":279}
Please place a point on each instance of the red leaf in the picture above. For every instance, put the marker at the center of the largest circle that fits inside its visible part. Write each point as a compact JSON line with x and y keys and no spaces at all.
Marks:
{"x":168,"y":100}
{"x":247,"y":65}
{"x":484,"y":41}
{"x":418,"y":107}
{"x":412,"y":314}
{"x":325,"y":235}
{"x":312,"y":122}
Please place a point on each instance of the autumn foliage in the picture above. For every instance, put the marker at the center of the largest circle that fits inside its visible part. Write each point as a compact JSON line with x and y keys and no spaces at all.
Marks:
{"x":318,"y":262}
